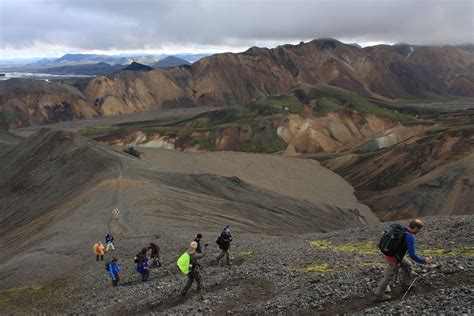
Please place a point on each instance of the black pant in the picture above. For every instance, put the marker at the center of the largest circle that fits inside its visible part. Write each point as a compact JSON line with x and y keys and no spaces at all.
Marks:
{"x":193,"y":275}
{"x":116,"y":281}
{"x":145,"y":274}
{"x":224,"y":252}
{"x":101,"y":257}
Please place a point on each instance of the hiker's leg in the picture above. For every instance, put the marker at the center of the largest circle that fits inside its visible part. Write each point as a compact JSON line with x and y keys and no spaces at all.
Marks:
{"x":188,"y":284}
{"x":221,"y":255}
{"x":97,"y":257}
{"x":197,"y":277}
{"x":146,"y":275}
{"x":405,"y":273}
{"x":107,"y":247}
{"x":388,"y":275}
{"x":112,"y":246}
{"x":102,"y":257}
{"x":115,"y":282}
{"x":227,"y":256}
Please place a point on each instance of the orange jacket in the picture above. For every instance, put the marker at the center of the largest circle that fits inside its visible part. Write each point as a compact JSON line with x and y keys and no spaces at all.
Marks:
{"x":99,"y":249}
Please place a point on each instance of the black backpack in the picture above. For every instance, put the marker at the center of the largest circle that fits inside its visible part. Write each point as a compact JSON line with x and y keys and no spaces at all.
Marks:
{"x":107,"y":265}
{"x":219,"y":240}
{"x":391,"y":241}
{"x":136,"y":258}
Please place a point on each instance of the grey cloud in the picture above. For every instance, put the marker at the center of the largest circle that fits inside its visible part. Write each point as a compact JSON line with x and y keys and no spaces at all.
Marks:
{"x":140,"y":24}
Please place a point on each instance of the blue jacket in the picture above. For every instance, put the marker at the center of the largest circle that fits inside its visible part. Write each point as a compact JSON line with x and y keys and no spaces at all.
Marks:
{"x":114,"y":268}
{"x":410,"y":242}
{"x":142,"y":264}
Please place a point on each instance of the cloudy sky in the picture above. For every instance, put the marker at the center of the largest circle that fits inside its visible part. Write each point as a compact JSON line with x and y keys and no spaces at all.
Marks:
{"x":55,"y":27}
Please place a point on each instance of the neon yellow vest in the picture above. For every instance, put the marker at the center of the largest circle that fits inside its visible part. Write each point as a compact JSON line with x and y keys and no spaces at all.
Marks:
{"x":183,"y":262}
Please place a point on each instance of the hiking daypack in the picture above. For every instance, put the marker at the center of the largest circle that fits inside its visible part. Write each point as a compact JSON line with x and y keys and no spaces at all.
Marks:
{"x":219,"y":240}
{"x":107,"y":265}
{"x":136,"y":258}
{"x":392,"y":240}
{"x":183,"y":263}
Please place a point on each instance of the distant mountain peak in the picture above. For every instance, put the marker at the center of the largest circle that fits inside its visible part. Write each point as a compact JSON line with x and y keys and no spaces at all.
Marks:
{"x":134,"y":66}
{"x":171,"y":61}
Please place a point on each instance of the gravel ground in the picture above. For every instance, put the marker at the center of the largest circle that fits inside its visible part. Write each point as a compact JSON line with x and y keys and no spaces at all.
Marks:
{"x":270,"y":275}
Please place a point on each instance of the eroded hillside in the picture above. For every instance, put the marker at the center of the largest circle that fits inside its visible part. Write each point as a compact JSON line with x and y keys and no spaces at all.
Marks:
{"x":383,"y":72}
{"x":58,"y":185}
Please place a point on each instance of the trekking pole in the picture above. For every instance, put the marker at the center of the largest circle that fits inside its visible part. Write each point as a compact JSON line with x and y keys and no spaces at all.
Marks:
{"x":409,"y":288}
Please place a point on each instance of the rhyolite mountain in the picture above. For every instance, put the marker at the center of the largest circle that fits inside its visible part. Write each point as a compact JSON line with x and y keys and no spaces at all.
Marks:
{"x":382,"y":72}
{"x":170,"y":61}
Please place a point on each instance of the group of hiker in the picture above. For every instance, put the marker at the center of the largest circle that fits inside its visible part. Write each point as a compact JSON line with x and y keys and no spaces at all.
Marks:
{"x":189,"y":265}
{"x":395,"y":244}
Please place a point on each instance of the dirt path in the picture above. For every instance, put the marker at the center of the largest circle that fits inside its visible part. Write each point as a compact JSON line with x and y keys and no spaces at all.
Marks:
{"x":252,"y":290}
{"x":118,"y":225}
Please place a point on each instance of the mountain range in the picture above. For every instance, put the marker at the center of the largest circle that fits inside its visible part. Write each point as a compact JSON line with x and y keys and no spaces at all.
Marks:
{"x":383,"y":72}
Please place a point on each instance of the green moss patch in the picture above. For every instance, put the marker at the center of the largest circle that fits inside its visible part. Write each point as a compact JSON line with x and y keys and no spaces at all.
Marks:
{"x":34,"y":297}
{"x":276,"y":104}
{"x":333,"y":99}
{"x":247,"y":252}
{"x":465,"y":251}
{"x":367,"y":248}
{"x":317,"y":267}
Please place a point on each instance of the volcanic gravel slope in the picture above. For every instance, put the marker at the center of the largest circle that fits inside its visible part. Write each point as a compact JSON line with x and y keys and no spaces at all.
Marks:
{"x":288,"y":254}
{"x":7,"y":141}
{"x":272,"y":275}
{"x":57,"y":191}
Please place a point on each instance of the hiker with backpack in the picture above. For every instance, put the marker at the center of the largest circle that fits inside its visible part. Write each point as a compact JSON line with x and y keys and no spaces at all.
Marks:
{"x":154,"y":255}
{"x":394,"y":245}
{"x":223,"y":241}
{"x":108,"y":242}
{"x":113,"y":268}
{"x":188,"y":264}
{"x":99,"y":250}
{"x":142,"y":265}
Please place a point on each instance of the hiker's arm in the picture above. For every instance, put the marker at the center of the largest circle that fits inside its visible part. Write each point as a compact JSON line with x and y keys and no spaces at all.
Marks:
{"x":202,"y":254}
{"x":111,"y":272}
{"x":411,"y":249}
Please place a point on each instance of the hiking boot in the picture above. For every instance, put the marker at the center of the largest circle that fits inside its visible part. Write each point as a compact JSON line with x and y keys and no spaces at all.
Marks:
{"x":382,"y":298}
